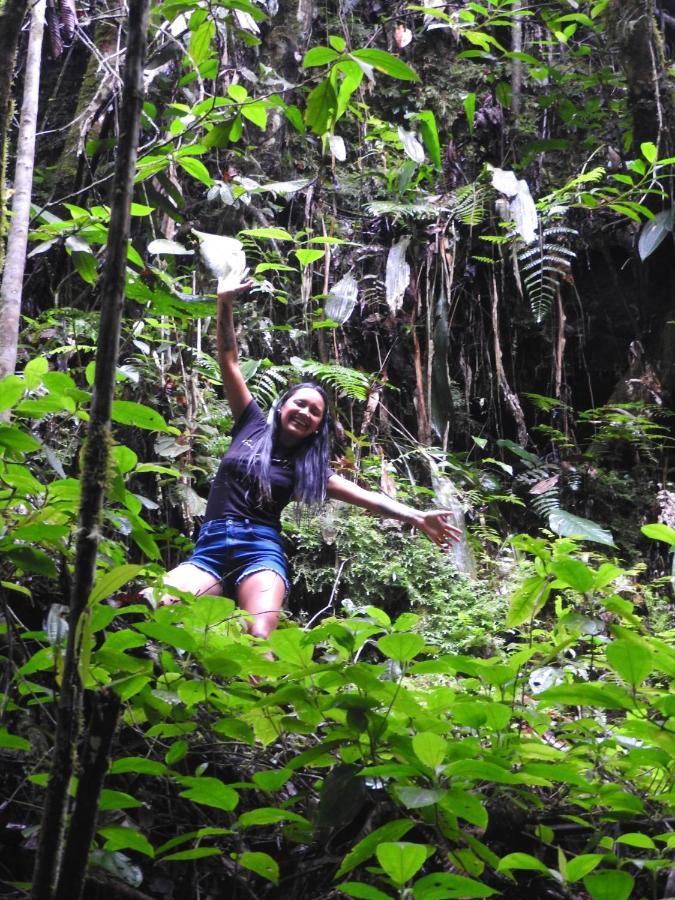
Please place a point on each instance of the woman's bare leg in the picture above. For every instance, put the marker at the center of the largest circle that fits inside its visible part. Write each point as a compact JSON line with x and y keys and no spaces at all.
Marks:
{"x":187,"y":577}
{"x":261,"y":595}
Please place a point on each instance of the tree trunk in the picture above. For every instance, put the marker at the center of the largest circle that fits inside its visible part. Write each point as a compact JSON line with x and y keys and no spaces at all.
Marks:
{"x":12,"y":280}
{"x":95,"y":461}
{"x":637,"y":37}
{"x":12,"y":16}
{"x":95,"y":758}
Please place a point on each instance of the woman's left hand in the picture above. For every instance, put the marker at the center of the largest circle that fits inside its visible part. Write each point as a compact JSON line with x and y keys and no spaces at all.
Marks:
{"x":438,"y":527}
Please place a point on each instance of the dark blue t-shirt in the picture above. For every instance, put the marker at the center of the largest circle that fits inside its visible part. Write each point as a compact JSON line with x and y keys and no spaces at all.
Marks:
{"x":235,"y":491}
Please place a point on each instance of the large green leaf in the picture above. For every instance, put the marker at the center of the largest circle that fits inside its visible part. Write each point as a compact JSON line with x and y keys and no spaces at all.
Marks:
{"x":401,"y":647}
{"x":446,"y":886}
{"x":126,"y":412}
{"x":597,"y":694}
{"x":365,"y":848}
{"x":527,"y":600}
{"x":566,"y":524}
{"x":210,"y":792}
{"x":401,"y":860}
{"x":631,"y":660}
{"x":112,"y":581}
{"x":387,"y":63}
{"x":11,"y":391}
{"x":260,"y":863}
{"x":609,"y":884}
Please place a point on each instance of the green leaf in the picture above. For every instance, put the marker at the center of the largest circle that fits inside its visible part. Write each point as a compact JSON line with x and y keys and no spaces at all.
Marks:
{"x":126,"y":412}
{"x":305,"y":257}
{"x":256,"y":113}
{"x":610,"y":884}
{"x":273,"y":234}
{"x":636,"y":839}
{"x":401,"y":860}
{"x":649,"y":151}
{"x":319,"y":56}
{"x":467,"y":806}
{"x":659,"y":532}
{"x":16,"y":440}
{"x":387,"y":63}
{"x":196,"y":168}
{"x":527,"y":600}
{"x":113,"y":800}
{"x":12,"y":741}
{"x":565,"y":524}
{"x":139,"y":765}
{"x":11,"y":391}
{"x":168,"y":634}
{"x":34,"y":370}
{"x":445,"y":886}
{"x":195,"y":853}
{"x":260,"y":863}
{"x":211,"y":792}
{"x":414,"y":797}
{"x":112,"y":581}
{"x":574,"y":574}
{"x":361,"y":891}
{"x":470,"y":109}
{"x":365,"y":848}
{"x":269,"y":815}
{"x":430,"y":137}
{"x":632,"y":661}
{"x":200,"y":42}
{"x":85,"y":264}
{"x":119,"y":837}
{"x":430,"y":748}
{"x":289,"y":645}
{"x":581,"y":866}
{"x":321,"y":107}
{"x":401,"y":647}
{"x":273,"y":780}
{"x":522,"y":861}
{"x":596,"y":694}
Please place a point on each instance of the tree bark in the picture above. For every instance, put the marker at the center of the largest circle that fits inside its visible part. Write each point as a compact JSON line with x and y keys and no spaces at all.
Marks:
{"x":95,"y":759}
{"x":12,"y":280}
{"x":11,"y":18}
{"x":95,"y":461}
{"x":635,"y":32}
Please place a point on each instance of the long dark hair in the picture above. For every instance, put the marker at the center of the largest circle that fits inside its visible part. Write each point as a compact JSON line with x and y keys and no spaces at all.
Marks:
{"x":310,"y":458}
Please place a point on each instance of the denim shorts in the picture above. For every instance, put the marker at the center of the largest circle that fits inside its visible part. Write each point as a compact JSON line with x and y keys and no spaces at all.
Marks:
{"x":232,"y":549}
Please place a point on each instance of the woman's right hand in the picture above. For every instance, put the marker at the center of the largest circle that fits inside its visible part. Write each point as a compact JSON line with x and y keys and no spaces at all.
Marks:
{"x":230,"y":295}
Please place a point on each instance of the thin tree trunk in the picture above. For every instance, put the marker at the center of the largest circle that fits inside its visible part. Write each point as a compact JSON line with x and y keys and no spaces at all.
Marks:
{"x":11,"y":17}
{"x":95,"y":758}
{"x":516,"y":64}
{"x":12,"y":280}
{"x":95,"y":461}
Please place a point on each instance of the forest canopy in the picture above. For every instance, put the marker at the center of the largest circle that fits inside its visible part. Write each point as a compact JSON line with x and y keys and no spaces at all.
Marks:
{"x":458,"y":220}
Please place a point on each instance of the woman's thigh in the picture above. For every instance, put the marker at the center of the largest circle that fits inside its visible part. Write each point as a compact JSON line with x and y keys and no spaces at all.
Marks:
{"x":187,"y":577}
{"x":261,"y":595}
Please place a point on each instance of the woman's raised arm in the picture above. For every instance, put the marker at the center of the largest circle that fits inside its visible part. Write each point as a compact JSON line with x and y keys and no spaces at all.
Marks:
{"x":435,"y":523}
{"x":234,"y":385}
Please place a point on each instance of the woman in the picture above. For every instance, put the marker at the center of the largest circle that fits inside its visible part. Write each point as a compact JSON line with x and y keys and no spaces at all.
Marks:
{"x":269,"y":463}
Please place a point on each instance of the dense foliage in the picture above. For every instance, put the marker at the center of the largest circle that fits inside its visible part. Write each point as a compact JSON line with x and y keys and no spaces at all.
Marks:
{"x":459,"y":218}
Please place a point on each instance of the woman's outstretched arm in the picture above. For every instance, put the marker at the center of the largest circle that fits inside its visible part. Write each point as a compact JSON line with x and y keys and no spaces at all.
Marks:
{"x":234,"y":385}
{"x":435,"y":523}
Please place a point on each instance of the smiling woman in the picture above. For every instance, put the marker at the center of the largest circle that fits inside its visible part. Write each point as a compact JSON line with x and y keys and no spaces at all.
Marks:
{"x":271,"y":461}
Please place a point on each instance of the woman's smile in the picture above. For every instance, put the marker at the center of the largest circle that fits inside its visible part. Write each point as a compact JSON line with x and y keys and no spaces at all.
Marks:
{"x":301,"y":415}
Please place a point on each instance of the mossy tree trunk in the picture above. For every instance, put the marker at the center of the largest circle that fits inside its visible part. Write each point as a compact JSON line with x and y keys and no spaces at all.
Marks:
{"x":11,"y":17}
{"x":96,"y":457}
{"x":15,"y":261}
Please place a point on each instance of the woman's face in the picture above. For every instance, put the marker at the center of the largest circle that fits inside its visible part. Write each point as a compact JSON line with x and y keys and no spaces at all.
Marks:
{"x":301,"y":416}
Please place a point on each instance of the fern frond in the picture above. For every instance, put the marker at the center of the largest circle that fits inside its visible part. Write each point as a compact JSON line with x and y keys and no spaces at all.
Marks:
{"x":347,"y":382}
{"x":542,"y":264}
